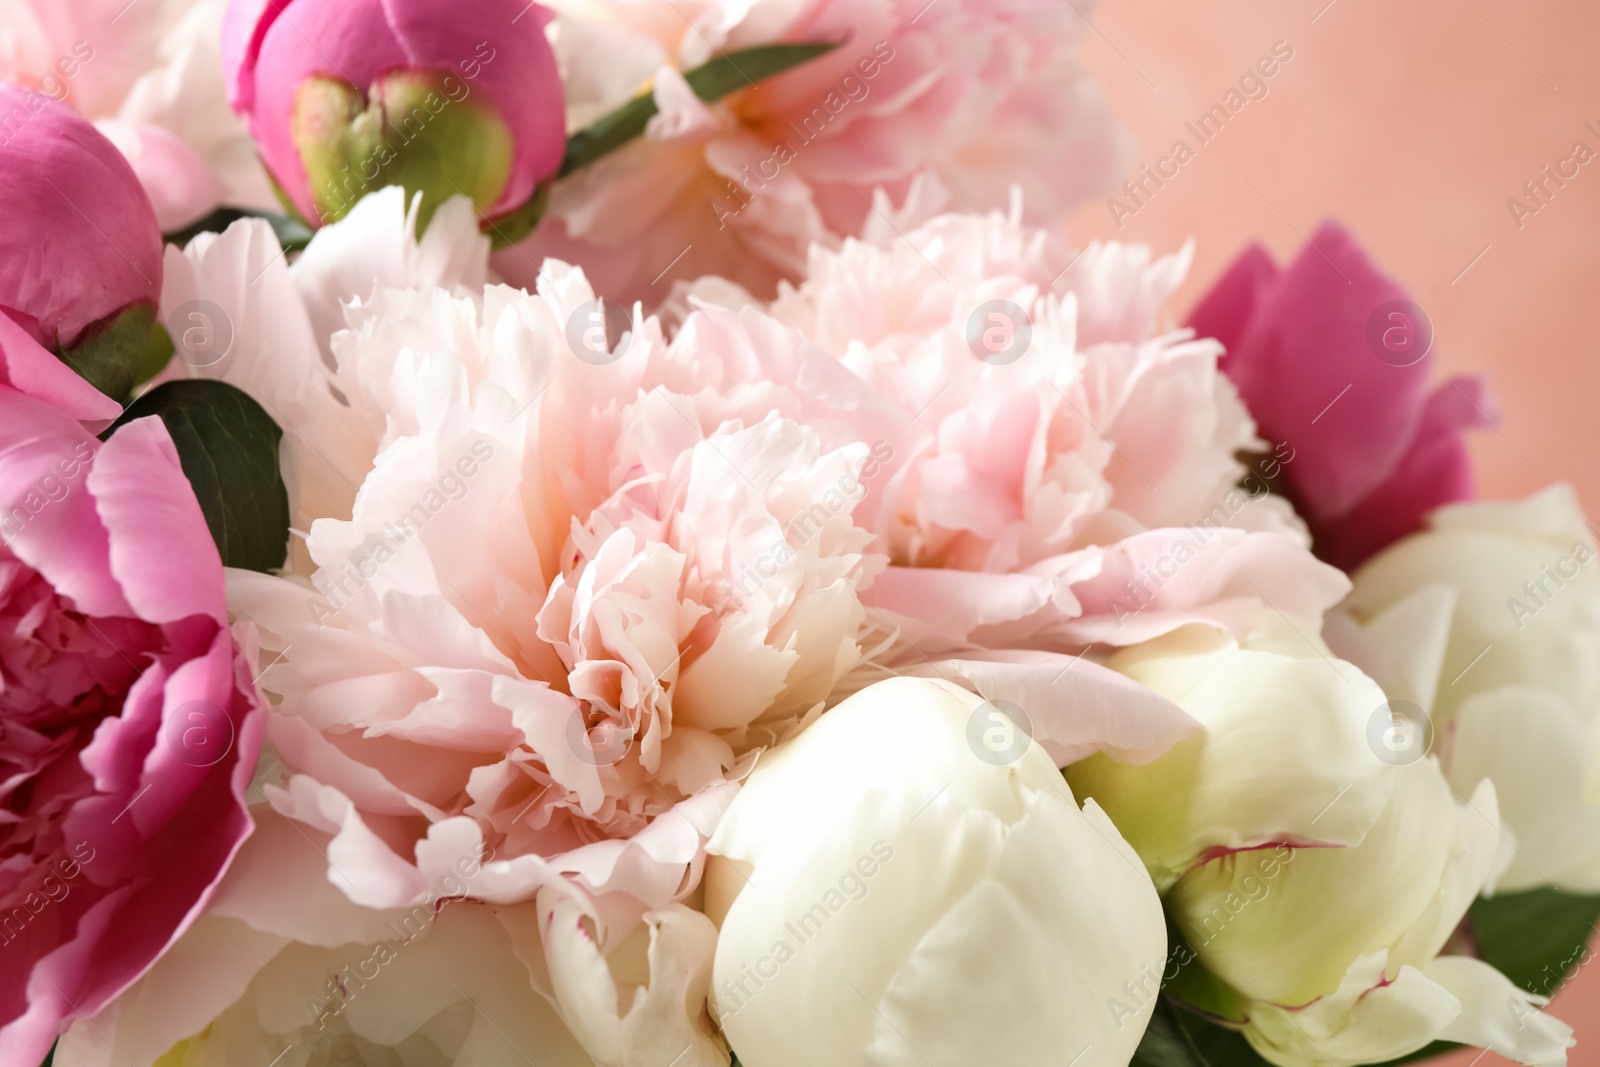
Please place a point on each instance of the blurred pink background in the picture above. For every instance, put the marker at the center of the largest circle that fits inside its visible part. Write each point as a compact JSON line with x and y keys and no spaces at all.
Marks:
{"x":1414,"y":124}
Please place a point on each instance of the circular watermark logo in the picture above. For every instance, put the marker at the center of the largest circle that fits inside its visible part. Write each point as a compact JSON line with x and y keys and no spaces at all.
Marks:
{"x":999,"y":732}
{"x":1399,"y":732}
{"x":599,"y":333}
{"x":1399,"y":332}
{"x":999,"y":332}
{"x":200,"y":734}
{"x":600,"y":744}
{"x":201,"y":332}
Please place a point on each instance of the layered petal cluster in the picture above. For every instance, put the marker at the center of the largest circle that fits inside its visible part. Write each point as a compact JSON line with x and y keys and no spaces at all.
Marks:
{"x":150,"y":76}
{"x":1316,"y":870}
{"x":537,"y":616}
{"x":130,"y":716}
{"x":1333,"y":359}
{"x":985,"y":96}
{"x":920,"y":910}
{"x":1504,"y":603}
{"x":1067,"y":473}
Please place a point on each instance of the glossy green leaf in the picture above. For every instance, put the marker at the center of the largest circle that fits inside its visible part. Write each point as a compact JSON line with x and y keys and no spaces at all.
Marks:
{"x":1538,"y":939}
{"x":228,"y":447}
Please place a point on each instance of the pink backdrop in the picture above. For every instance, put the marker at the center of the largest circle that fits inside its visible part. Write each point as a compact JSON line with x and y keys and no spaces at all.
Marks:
{"x":1413,"y":123}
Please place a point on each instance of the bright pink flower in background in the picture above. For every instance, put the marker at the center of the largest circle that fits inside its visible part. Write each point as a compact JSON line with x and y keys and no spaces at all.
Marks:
{"x":1333,"y":359}
{"x":128,"y":732}
{"x":983,"y":95}
{"x":80,"y":242}
{"x":494,"y":50}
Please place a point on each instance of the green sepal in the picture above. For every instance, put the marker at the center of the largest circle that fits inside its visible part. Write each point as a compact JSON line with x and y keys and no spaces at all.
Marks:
{"x":110,"y":354}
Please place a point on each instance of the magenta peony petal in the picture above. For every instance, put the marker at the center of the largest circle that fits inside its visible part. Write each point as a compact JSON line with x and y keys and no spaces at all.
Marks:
{"x":1371,"y":451}
{"x":46,"y":513}
{"x":1225,"y":312}
{"x":28,"y":368}
{"x":1436,"y":470}
{"x":161,"y":551}
{"x":80,"y":242}
{"x":133,"y":729}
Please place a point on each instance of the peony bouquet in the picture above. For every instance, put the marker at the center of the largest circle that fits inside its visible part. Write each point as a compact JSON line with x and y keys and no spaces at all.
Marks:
{"x":623,"y":533}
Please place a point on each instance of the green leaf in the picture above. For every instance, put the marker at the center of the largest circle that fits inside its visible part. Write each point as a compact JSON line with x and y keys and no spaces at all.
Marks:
{"x":229,"y":450}
{"x":48,"y":1060}
{"x":1537,"y":938}
{"x":292,"y":234}
{"x":710,"y":81}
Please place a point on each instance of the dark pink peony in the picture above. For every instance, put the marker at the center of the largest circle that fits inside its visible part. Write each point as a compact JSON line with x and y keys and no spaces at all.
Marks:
{"x":80,"y":242}
{"x":128,"y":725}
{"x":1333,"y":359}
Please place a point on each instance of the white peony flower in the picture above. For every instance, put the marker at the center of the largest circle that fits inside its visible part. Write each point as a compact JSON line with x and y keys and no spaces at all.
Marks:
{"x":1316,"y":874}
{"x":894,"y":891}
{"x":1509,"y":594}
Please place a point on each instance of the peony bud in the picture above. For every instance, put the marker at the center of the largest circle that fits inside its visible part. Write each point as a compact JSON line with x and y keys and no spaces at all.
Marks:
{"x":345,"y":97}
{"x":1314,"y":872}
{"x":892,"y":891}
{"x":1518,"y":682}
{"x":80,"y":252}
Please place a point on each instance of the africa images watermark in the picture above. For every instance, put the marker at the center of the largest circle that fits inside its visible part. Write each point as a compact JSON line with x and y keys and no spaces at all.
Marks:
{"x":53,"y":887}
{"x":1137,"y":192}
{"x":852,"y":88}
{"x":339,"y":587}
{"x":1542,"y":190}
{"x":1560,"y":572}
{"x":52,"y":86}
{"x":851,"y":886}
{"x":52,"y":488}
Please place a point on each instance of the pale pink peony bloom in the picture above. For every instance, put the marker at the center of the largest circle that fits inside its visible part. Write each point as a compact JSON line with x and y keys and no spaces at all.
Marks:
{"x":1075,"y":480}
{"x":150,"y":75}
{"x":128,"y":715}
{"x":982,"y":95}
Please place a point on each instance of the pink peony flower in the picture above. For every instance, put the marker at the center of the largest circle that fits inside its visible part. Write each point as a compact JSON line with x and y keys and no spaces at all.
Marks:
{"x":983,"y":95}
{"x":149,"y":77}
{"x":1071,"y":478}
{"x":336,"y":92}
{"x":81,"y":243}
{"x":127,"y":726}
{"x":1333,"y":359}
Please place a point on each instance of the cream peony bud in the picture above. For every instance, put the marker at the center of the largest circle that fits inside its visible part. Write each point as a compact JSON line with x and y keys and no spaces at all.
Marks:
{"x":1315,"y":871}
{"x":895,"y":888}
{"x":1518,"y":689}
